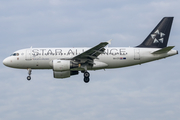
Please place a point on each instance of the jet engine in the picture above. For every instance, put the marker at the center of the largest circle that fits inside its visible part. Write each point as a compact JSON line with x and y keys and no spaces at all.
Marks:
{"x":64,"y":65}
{"x":64,"y":74}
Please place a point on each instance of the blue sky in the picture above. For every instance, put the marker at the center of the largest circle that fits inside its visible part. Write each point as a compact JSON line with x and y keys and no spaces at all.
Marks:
{"x":145,"y":92}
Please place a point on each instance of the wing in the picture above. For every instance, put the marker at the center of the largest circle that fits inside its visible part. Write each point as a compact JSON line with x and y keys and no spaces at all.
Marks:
{"x":91,"y":54}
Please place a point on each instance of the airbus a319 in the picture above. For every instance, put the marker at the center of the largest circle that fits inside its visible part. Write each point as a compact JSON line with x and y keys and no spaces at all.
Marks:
{"x":66,"y":62}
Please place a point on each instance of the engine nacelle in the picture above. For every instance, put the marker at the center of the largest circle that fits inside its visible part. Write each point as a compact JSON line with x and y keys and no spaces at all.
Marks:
{"x":64,"y":65}
{"x":64,"y":74}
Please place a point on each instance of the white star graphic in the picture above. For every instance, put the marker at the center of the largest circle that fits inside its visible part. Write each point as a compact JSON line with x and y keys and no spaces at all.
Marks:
{"x":157,"y":40}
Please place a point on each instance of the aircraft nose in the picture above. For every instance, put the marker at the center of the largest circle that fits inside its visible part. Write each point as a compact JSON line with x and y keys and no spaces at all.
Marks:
{"x":5,"y":62}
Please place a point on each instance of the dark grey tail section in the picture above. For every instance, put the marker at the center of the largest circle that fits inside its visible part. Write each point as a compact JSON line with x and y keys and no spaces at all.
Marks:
{"x":158,"y":38}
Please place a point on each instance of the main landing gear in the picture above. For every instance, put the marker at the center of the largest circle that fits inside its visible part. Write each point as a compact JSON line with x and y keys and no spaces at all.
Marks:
{"x":86,"y":77}
{"x":29,"y":72}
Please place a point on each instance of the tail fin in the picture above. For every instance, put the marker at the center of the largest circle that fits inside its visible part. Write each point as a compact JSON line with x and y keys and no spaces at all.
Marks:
{"x":158,"y":38}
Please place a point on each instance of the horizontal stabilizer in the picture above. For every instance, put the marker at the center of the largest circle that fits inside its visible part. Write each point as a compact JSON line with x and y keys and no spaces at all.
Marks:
{"x":163,"y":50}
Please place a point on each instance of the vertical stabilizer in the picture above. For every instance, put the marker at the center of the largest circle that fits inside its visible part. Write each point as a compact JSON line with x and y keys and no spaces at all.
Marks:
{"x":158,"y":38}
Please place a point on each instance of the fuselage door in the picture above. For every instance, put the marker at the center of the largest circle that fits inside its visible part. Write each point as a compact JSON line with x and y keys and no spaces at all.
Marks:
{"x":136,"y":54}
{"x":28,"y":54}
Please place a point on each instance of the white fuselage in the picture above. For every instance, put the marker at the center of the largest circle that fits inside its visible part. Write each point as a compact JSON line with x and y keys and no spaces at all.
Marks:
{"x":113,"y":57}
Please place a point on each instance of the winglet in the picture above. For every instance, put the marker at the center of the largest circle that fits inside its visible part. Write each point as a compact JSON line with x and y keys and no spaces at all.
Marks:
{"x":109,"y":42}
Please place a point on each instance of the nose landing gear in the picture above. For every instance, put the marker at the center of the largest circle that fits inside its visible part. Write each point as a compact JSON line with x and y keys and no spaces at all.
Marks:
{"x":29,"y":72}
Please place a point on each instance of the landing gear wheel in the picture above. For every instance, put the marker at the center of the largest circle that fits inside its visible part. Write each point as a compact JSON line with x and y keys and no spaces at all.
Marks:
{"x":86,"y":74}
{"x":86,"y":79}
{"x":28,"y":77}
{"x":29,"y":72}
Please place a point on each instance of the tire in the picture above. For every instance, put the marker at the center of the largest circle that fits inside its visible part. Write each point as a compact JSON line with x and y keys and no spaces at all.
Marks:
{"x":86,"y":79}
{"x":28,"y":77}
{"x":86,"y":74}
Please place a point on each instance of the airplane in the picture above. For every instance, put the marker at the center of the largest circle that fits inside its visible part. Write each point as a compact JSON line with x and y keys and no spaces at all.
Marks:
{"x":66,"y":62}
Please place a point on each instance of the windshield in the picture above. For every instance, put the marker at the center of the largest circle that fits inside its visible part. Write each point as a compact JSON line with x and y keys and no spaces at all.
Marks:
{"x":15,"y":54}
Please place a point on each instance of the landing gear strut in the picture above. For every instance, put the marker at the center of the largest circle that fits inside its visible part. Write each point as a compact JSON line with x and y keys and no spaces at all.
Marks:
{"x":86,"y":77}
{"x":29,"y":72}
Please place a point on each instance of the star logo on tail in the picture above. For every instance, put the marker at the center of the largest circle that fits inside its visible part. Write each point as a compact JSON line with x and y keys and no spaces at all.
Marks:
{"x":158,"y":37}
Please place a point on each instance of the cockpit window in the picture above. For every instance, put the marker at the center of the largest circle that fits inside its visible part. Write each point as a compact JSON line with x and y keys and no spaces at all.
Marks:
{"x":15,"y":54}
